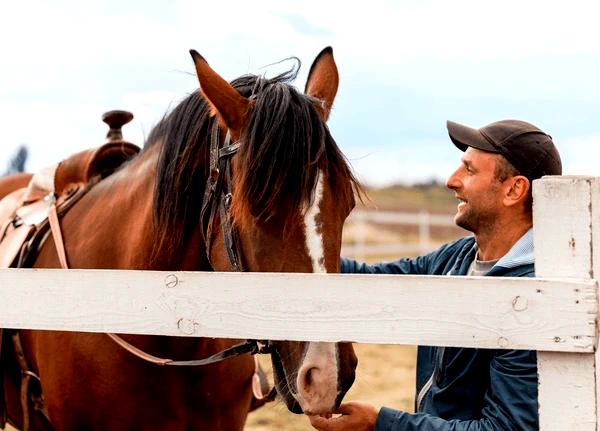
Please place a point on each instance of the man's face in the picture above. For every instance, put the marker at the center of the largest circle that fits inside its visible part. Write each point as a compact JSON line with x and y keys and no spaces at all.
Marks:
{"x":479,"y":192}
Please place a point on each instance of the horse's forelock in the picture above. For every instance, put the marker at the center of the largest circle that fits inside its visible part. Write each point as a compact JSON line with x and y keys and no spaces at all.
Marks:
{"x":281,"y":148}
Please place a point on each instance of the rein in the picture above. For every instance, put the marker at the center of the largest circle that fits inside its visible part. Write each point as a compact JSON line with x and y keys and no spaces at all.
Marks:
{"x":249,"y":346}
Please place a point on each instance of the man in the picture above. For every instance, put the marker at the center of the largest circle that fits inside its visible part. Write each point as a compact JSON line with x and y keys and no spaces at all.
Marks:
{"x":461,"y":388}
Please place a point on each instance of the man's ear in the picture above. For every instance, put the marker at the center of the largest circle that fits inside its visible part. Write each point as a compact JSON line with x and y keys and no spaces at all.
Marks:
{"x":517,"y":190}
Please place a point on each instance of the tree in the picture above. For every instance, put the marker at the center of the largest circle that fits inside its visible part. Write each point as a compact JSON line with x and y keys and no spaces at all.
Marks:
{"x":18,"y":161}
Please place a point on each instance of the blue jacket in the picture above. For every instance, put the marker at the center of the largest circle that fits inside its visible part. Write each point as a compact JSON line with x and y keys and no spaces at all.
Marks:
{"x":462,"y":388}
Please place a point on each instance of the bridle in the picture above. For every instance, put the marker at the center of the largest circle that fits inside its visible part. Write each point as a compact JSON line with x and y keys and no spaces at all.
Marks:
{"x":218,"y":196}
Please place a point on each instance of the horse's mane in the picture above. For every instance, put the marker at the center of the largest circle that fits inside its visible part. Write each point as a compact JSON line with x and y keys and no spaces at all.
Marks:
{"x":284,"y":146}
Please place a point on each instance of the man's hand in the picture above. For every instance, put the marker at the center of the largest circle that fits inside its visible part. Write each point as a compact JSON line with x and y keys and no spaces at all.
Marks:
{"x":355,"y":416}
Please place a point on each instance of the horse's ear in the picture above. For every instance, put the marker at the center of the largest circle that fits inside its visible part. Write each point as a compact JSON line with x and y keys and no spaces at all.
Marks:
{"x":222,"y":97}
{"x":323,"y":80}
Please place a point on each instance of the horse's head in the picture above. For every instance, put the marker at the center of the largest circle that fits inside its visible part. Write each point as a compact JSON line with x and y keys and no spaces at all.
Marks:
{"x":291,"y":190}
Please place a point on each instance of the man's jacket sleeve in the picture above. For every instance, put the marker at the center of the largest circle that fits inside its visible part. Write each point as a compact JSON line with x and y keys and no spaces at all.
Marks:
{"x":510,"y":402}
{"x":431,"y":263}
{"x":418,"y":265}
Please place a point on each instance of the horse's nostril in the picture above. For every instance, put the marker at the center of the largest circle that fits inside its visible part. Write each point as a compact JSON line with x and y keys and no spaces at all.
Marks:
{"x":317,"y":379}
{"x":312,"y":381}
{"x":308,"y":377}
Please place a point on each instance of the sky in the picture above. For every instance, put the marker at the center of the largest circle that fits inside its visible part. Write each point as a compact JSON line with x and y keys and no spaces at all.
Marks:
{"x":406,"y":66}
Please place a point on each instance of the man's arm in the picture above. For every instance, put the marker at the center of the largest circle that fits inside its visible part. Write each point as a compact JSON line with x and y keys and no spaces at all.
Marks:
{"x":402,"y":266}
{"x":428,"y":264}
{"x":510,"y":402}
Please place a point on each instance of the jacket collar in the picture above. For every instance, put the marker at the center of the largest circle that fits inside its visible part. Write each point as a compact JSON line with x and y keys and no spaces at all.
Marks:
{"x":521,"y":253}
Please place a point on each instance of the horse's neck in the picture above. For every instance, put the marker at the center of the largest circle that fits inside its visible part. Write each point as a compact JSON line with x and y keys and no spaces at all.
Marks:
{"x":113,"y":226}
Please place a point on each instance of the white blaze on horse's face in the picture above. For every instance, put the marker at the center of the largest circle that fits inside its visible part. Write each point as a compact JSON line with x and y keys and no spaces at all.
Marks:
{"x":317,"y":380}
{"x":312,"y":231}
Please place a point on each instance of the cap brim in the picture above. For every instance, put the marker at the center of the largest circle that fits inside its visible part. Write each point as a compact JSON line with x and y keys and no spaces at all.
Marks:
{"x":464,"y":137}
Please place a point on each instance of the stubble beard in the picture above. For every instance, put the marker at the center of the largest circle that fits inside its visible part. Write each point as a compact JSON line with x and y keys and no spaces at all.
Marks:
{"x":474,"y":221}
{"x":465,"y":221}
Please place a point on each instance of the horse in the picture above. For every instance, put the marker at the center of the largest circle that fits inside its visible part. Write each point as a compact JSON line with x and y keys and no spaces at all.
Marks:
{"x":287,"y":190}
{"x":13,"y":182}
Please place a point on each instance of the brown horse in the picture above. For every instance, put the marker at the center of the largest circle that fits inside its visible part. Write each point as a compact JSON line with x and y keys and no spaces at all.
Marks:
{"x":291,"y":192}
{"x":13,"y":182}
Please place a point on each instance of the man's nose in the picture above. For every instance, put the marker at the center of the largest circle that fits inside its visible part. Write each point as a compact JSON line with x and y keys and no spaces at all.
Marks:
{"x":453,"y":182}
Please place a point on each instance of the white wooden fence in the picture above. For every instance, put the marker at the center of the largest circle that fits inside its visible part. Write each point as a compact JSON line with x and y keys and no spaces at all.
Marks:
{"x":556,"y":314}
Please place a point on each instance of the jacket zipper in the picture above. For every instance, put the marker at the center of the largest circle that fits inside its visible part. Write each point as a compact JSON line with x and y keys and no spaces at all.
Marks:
{"x":423,"y":392}
{"x":427,"y":386}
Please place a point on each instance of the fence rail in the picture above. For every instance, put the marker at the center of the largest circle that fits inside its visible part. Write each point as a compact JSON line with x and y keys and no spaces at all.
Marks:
{"x":359,"y":249}
{"x":494,"y":312}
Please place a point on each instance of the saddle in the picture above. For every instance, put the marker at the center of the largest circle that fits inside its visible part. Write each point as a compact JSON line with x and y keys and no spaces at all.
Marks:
{"x":27,"y":216}
{"x":54,"y":189}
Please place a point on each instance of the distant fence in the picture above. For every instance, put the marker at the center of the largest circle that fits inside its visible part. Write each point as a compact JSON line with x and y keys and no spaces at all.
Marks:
{"x":555,"y":314}
{"x":360,"y":249}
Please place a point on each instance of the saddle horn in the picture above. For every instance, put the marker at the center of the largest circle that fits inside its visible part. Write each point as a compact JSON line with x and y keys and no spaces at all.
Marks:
{"x":116,"y":119}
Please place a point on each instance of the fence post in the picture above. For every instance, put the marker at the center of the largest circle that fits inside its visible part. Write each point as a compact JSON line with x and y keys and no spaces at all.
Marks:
{"x":567,"y":231}
{"x":424,"y":232}
{"x":360,"y":239}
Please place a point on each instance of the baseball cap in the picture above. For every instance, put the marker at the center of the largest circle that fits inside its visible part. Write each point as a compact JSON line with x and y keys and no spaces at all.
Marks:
{"x":527,"y":148}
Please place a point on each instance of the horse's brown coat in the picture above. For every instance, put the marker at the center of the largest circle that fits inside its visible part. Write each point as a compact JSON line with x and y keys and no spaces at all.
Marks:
{"x":13,"y":182}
